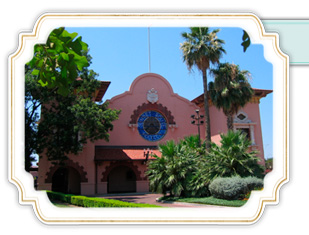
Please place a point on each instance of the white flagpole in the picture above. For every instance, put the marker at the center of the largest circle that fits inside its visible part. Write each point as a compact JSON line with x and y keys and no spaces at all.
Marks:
{"x":149,"y":49}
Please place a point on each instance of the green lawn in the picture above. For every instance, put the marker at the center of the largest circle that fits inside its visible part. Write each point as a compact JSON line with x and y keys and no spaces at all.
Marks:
{"x":208,"y":201}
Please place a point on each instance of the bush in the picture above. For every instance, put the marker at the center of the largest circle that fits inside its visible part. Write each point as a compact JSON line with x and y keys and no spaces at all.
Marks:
{"x":172,"y":172}
{"x":78,"y":200}
{"x":233,"y":157}
{"x":185,"y":169}
{"x":92,"y":201}
{"x":231,"y":188}
{"x":254,"y":183}
{"x":55,"y":196}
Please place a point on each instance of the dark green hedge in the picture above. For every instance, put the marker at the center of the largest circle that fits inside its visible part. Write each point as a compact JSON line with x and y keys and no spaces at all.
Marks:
{"x":55,"y":196}
{"x":84,"y":201}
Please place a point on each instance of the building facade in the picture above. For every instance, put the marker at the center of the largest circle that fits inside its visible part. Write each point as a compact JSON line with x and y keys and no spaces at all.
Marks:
{"x":151,"y":113}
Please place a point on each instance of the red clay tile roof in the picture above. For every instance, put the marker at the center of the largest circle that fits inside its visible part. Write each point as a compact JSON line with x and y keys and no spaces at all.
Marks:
{"x":106,"y":154}
{"x":101,"y":91}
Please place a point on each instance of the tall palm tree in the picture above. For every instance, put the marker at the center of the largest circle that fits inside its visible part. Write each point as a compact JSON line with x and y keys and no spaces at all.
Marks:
{"x":230,"y":90}
{"x":200,"y":49}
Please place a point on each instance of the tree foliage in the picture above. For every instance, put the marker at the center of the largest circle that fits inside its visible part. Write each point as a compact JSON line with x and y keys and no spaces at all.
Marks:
{"x":246,"y":41}
{"x":234,"y":157}
{"x":31,"y":118}
{"x":172,"y":171}
{"x":269,"y":164}
{"x":202,"y":48}
{"x":185,"y":169}
{"x":230,"y":89}
{"x":67,"y":121}
{"x":56,"y":63}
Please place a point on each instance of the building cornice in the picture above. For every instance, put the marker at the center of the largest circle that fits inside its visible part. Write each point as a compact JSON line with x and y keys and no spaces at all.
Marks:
{"x":258,"y":94}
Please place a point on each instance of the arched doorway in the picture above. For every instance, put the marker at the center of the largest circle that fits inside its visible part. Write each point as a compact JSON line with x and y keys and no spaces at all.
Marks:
{"x":66,"y":180}
{"x":121,"y":179}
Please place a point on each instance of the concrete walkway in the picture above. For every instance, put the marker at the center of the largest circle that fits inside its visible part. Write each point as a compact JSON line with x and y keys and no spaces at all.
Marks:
{"x":149,"y":198}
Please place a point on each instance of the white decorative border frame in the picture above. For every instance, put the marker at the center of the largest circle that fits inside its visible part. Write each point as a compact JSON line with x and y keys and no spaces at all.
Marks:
{"x":247,"y":214}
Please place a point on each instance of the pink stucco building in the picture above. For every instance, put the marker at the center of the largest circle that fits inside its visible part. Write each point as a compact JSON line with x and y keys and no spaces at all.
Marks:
{"x":150,"y":113}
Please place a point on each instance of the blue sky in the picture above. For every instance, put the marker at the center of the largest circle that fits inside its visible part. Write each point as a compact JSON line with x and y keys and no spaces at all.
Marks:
{"x":121,"y":54}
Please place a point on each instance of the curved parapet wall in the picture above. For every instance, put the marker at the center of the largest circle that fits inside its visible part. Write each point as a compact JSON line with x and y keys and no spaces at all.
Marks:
{"x":147,"y":92}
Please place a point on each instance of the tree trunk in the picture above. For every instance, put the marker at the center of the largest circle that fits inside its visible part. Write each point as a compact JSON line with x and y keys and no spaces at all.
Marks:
{"x":206,"y":106}
{"x":230,"y":125}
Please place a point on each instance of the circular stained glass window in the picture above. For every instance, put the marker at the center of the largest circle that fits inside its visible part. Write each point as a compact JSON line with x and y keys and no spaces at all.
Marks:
{"x":152,"y":125}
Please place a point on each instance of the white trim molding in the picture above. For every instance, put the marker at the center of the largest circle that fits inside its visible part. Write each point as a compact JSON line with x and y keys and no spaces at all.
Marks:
{"x":241,"y":120}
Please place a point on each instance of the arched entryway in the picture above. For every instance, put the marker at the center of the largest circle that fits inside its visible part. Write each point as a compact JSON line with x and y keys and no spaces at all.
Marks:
{"x":121,"y":179}
{"x":66,"y":180}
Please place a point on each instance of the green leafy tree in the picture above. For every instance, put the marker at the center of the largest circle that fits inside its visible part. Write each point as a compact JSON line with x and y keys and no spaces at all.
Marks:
{"x":56,"y":63}
{"x":32,"y":116}
{"x":31,"y":136}
{"x":230,"y":90}
{"x":201,"y":49}
{"x":66,"y":122}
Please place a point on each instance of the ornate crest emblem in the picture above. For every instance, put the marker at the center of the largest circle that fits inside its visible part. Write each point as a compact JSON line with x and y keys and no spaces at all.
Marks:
{"x":152,"y":96}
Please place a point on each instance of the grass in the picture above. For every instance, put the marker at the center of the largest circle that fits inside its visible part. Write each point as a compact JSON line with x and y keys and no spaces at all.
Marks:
{"x":207,"y":201}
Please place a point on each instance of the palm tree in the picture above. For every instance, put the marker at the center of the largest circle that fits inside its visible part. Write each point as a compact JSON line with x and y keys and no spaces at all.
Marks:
{"x":200,"y":49}
{"x":230,"y":90}
{"x":157,"y":174}
{"x":233,"y":157}
{"x":172,"y":171}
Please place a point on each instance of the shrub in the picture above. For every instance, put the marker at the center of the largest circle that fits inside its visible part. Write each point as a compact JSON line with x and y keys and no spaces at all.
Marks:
{"x":92,"y":201}
{"x":89,"y":202}
{"x":231,"y":188}
{"x":199,"y":181}
{"x":55,"y":196}
{"x":233,"y":157}
{"x":254,"y":183}
{"x":172,"y":172}
{"x":78,"y":200}
{"x":185,"y":169}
